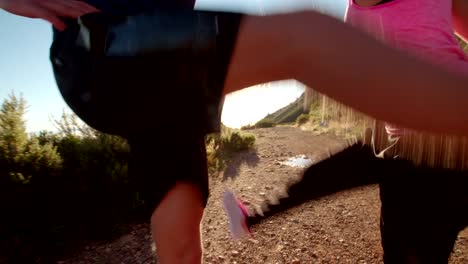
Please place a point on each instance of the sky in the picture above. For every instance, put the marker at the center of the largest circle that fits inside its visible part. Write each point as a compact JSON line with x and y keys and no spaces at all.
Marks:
{"x":25,"y":69}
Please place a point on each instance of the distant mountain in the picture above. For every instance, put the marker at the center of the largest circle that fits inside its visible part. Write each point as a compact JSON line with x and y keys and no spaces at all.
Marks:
{"x":288,"y":113}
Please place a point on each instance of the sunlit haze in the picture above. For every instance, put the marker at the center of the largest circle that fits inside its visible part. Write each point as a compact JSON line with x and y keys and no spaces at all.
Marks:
{"x":250,"y":105}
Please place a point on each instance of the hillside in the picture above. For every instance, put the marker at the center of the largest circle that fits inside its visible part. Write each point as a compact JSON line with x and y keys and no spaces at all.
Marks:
{"x":288,"y":113}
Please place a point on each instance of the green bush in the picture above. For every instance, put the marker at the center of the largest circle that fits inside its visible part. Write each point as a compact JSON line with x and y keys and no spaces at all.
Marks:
{"x":248,"y":127}
{"x":237,"y":141}
{"x":302,"y":119}
{"x":221,"y":146}
{"x":75,"y":183}
{"x":265,"y":123}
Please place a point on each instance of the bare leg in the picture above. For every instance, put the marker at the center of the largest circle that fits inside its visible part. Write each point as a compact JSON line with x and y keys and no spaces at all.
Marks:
{"x":175,"y":225}
{"x":345,"y":64}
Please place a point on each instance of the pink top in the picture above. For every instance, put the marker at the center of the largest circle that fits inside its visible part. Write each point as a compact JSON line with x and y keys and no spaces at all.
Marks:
{"x":423,"y":27}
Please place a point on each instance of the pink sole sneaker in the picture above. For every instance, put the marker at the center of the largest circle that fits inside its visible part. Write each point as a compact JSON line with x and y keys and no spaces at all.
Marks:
{"x":237,"y":216}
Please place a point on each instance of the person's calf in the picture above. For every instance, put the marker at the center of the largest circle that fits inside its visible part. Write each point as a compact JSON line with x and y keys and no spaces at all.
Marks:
{"x":175,"y":225}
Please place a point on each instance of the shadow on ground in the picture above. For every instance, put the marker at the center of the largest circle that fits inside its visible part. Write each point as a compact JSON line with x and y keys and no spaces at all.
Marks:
{"x":249,"y":158}
{"x":352,"y":167}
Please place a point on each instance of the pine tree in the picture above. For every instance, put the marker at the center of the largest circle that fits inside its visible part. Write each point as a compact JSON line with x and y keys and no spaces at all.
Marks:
{"x":21,"y":157}
{"x":13,"y":137}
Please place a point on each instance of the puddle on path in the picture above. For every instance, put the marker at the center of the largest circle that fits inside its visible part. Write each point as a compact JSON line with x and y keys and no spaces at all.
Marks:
{"x":299,"y":161}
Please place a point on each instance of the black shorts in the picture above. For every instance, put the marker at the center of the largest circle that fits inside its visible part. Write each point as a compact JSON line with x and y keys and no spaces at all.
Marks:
{"x":162,"y":93}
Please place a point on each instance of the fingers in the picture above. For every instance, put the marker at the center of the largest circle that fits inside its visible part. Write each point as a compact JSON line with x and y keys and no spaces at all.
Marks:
{"x":53,"y":9}
{"x":85,"y":7}
{"x":52,"y":18}
{"x":68,"y":8}
{"x":57,"y":23}
{"x":50,"y":10}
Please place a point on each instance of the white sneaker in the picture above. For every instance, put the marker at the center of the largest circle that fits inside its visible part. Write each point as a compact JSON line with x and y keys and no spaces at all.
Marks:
{"x":237,"y":216}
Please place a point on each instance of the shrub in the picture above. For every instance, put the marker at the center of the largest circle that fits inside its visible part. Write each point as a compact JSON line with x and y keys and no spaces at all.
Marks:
{"x":75,"y":181}
{"x":237,"y":141}
{"x":265,"y":123}
{"x":302,"y":119}
{"x":248,"y":127}
{"x":221,"y":146}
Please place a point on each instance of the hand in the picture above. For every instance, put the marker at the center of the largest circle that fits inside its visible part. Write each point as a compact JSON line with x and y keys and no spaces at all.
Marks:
{"x":50,"y":10}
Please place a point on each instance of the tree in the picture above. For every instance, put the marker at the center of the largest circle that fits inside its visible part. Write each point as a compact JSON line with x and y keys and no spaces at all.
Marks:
{"x":13,"y":137}
{"x":69,"y":124}
{"x":22,"y":157}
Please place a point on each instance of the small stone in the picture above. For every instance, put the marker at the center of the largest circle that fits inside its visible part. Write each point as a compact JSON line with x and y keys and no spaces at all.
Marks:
{"x":235,"y":253}
{"x":262,"y":194}
{"x":296,"y":261}
{"x":341,"y":240}
{"x":254,"y":241}
{"x":126,"y":239}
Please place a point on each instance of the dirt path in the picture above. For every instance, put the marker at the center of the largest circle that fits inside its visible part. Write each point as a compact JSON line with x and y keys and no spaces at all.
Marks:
{"x":341,"y":228}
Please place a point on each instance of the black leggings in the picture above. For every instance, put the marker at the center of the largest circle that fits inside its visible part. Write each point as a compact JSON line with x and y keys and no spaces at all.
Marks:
{"x":423,"y":210}
{"x":159,"y":162}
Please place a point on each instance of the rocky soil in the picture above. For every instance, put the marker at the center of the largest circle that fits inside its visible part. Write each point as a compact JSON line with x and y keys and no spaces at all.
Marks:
{"x":340,"y":228}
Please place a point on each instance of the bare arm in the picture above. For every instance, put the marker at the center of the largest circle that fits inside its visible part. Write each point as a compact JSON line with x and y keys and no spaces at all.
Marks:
{"x":460,"y":18}
{"x":351,"y":67}
{"x":50,"y":10}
